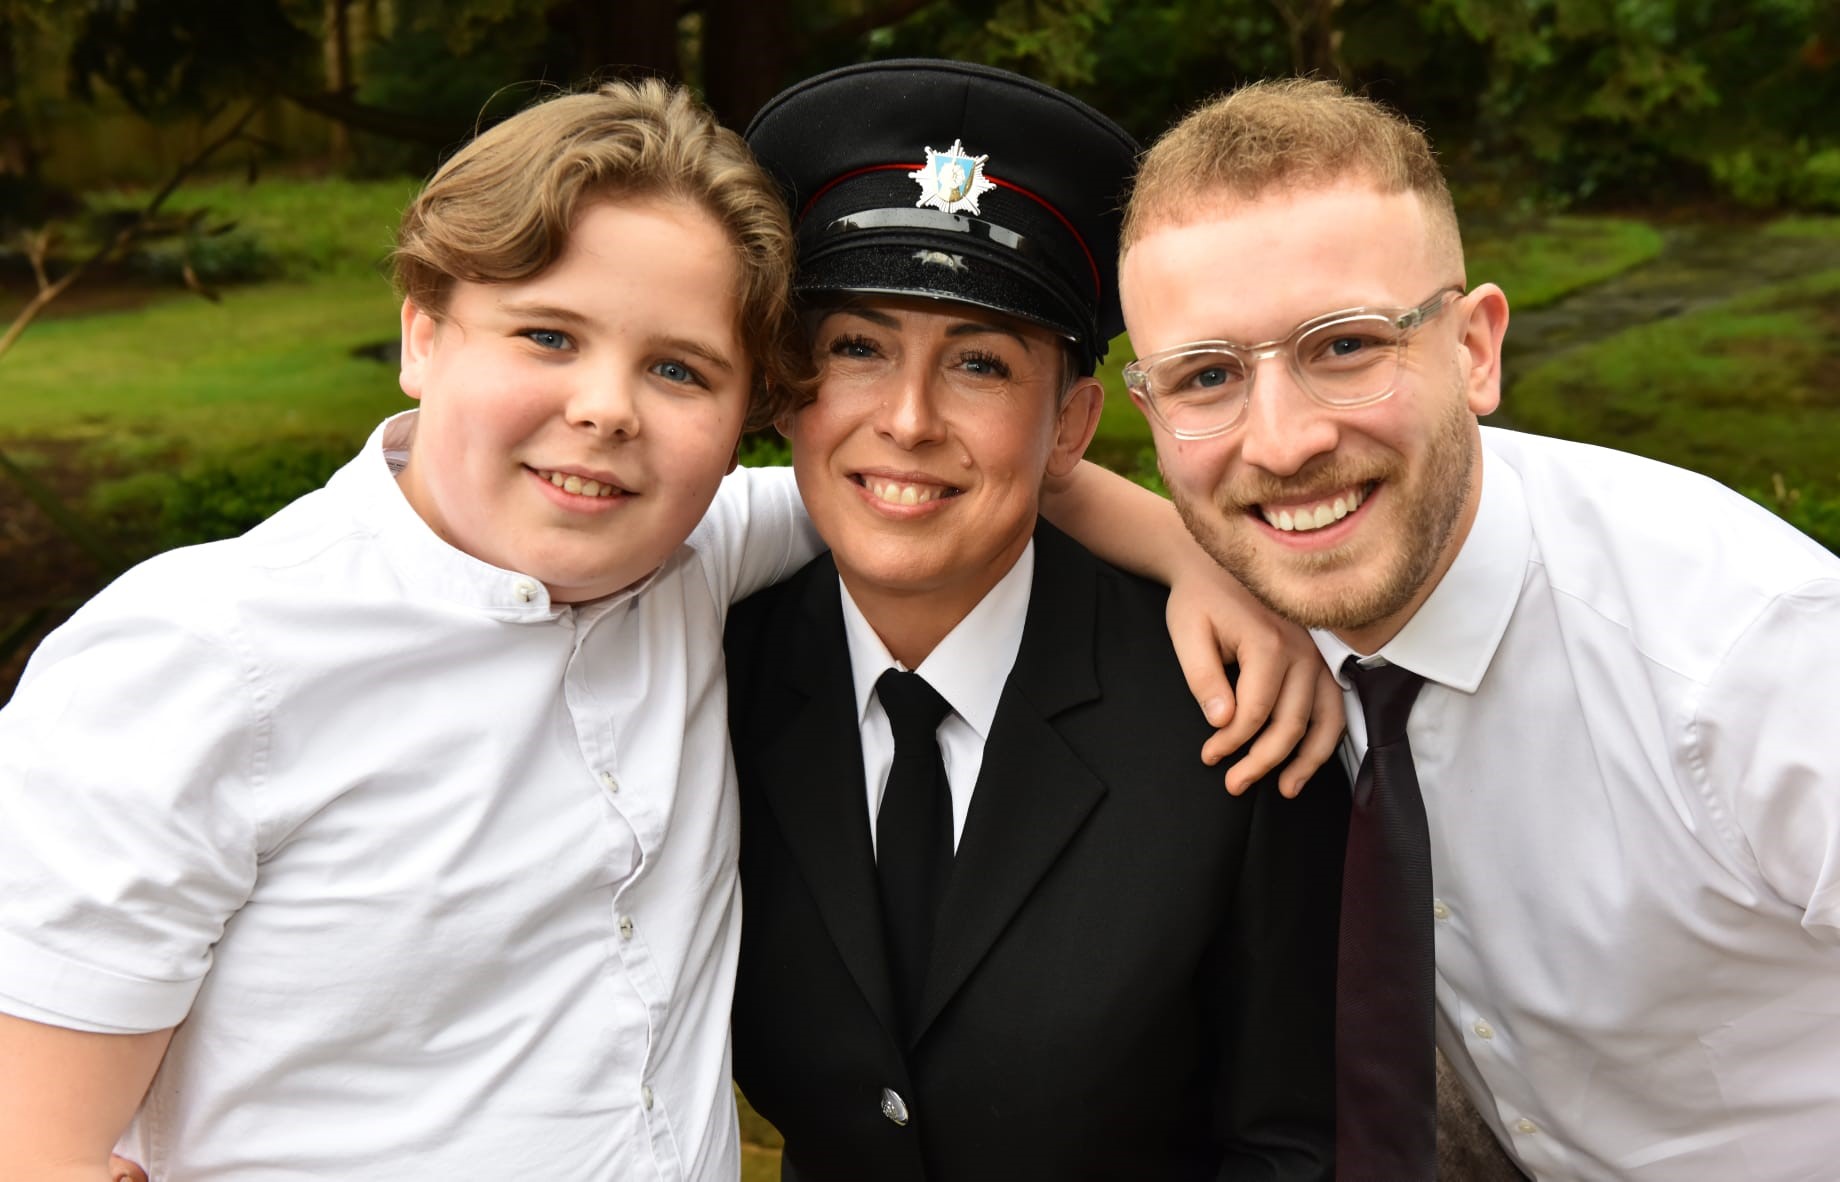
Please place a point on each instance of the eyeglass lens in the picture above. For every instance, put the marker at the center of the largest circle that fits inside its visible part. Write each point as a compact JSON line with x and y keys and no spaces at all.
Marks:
{"x":1344,"y":362}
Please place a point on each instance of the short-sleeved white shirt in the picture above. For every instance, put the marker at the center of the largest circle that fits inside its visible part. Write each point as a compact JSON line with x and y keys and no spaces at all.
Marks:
{"x":439,"y":876}
{"x":1629,"y":747}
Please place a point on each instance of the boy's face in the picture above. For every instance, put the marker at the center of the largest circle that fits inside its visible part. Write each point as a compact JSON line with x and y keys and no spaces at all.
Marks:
{"x":575,"y":425}
{"x":921,"y":459}
{"x":1408,"y":467}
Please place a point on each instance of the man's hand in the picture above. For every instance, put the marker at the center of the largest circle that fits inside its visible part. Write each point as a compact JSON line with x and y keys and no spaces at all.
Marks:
{"x":1283,"y":684}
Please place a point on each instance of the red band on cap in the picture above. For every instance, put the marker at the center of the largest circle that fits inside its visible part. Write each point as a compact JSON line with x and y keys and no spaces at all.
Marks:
{"x":1098,"y":287}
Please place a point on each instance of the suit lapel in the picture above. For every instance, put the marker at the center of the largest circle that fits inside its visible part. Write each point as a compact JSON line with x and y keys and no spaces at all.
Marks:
{"x":1033,"y":792}
{"x":812,"y":776}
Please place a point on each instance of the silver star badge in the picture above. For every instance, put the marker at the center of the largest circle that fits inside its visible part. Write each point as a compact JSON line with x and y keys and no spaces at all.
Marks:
{"x":951,"y":180}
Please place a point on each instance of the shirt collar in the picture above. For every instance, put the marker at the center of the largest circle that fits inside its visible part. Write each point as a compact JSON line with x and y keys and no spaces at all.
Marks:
{"x":970,"y":665}
{"x":1454,"y":634}
{"x":427,"y":565}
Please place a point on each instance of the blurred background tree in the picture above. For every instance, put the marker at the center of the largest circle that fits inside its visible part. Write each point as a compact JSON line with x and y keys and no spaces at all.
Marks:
{"x":1656,"y":182}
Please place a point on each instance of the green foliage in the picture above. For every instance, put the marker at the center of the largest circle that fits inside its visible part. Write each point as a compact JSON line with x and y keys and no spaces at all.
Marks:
{"x":217,"y":496}
{"x":1793,"y":177}
{"x":172,"y":56}
{"x":1812,"y":509}
{"x":765,"y":449}
{"x":462,"y":76}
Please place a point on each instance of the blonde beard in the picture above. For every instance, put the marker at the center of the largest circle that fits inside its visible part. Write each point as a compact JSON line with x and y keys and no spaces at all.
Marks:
{"x":1429,"y":509}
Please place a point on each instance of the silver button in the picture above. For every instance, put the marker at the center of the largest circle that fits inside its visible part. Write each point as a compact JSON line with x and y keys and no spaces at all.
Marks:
{"x":1439,"y":910}
{"x":626,"y":927}
{"x":645,"y":1097}
{"x":1523,"y":1125}
{"x":525,"y":590}
{"x":1483,"y":1029}
{"x":893,"y":1107}
{"x":609,"y":783}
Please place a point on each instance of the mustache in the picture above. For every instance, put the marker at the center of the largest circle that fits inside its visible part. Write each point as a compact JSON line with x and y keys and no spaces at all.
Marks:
{"x":1316,"y":481}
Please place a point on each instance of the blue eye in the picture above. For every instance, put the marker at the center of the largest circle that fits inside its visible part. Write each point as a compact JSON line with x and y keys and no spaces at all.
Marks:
{"x":678,"y":372}
{"x":548,"y":338}
{"x":853,"y":346}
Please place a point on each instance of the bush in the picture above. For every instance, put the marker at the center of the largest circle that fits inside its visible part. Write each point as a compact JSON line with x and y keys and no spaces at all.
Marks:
{"x":232,"y":257}
{"x":216,"y":498}
{"x":1812,"y":509}
{"x":1786,"y":177}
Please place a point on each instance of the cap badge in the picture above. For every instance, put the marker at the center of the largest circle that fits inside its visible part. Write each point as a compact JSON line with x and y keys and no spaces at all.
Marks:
{"x":951,"y":180}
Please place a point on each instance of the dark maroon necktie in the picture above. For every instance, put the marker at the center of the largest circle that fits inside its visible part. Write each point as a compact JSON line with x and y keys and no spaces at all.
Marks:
{"x":913,"y":833}
{"x":1385,"y":1062}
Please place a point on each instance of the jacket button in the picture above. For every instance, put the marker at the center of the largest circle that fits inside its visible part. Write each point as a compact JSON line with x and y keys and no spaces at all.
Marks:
{"x":893,"y":1107}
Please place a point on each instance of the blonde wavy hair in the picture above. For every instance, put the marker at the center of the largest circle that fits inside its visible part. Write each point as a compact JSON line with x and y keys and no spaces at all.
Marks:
{"x":502,"y":208}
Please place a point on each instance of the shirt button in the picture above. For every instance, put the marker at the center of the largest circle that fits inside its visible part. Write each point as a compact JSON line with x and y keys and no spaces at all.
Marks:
{"x":1523,"y":1125}
{"x":525,"y":590}
{"x":609,"y":783}
{"x":645,"y":1096}
{"x":893,"y":1107}
{"x":626,"y":927}
{"x":1483,"y":1030}
{"x":1439,"y":910}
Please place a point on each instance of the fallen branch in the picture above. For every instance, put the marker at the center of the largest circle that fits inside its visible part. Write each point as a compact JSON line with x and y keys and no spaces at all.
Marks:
{"x":125,"y":237}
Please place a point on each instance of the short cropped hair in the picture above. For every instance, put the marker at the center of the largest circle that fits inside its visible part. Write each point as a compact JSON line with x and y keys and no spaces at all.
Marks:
{"x":502,"y":208}
{"x":1279,"y":135}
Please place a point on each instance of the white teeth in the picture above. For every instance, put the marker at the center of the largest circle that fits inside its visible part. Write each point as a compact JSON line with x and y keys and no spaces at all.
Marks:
{"x":579,"y":485}
{"x":1304,"y":520}
{"x":893,"y":492}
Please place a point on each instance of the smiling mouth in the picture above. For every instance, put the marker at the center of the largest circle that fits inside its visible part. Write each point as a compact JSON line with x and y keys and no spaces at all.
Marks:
{"x":580,"y":485}
{"x":900,"y":492}
{"x":1321,"y":515}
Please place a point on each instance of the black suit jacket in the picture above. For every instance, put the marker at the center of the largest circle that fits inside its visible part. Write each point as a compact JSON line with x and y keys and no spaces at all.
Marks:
{"x":1133,"y":972}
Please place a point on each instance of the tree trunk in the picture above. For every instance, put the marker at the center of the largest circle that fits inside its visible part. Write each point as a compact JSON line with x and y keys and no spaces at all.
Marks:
{"x":19,"y":156}
{"x":338,"y":74}
{"x":746,"y":51}
{"x":622,"y":38}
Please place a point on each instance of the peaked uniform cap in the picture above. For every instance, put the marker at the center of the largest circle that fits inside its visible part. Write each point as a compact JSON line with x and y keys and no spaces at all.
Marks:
{"x":1016,"y":206}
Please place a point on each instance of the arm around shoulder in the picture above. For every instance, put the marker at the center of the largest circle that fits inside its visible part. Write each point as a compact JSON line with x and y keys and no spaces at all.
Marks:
{"x":67,"y":1095}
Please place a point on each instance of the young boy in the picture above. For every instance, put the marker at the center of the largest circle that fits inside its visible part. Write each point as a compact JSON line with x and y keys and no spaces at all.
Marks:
{"x":401,"y":828}
{"x":375,"y":799}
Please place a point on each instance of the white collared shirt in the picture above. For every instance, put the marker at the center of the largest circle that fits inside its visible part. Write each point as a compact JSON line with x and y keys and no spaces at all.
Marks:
{"x":968,"y":668}
{"x":439,"y":875}
{"x":1629,"y":747}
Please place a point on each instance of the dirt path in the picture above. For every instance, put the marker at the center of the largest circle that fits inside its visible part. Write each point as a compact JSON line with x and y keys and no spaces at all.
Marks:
{"x":1699,"y":265}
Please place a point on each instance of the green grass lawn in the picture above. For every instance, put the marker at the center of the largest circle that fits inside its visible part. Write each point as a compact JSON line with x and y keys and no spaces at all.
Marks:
{"x":295,"y":228}
{"x":1539,"y":262}
{"x":1747,"y":391}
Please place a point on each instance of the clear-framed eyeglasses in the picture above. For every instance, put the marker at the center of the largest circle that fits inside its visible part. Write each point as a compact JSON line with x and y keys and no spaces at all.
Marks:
{"x":1343,"y":359}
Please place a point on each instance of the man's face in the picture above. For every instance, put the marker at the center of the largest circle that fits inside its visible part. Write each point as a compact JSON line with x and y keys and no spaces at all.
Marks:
{"x":922,"y":457}
{"x":575,"y":425}
{"x":1406,"y":470}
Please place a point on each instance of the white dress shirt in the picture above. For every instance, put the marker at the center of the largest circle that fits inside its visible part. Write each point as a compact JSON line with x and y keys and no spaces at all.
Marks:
{"x":439,"y":875}
{"x":1628,"y":750}
{"x":968,"y":668}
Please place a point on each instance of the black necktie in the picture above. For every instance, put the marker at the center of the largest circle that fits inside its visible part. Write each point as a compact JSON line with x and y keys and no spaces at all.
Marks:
{"x":913,"y":833}
{"x":1385,"y":1064}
